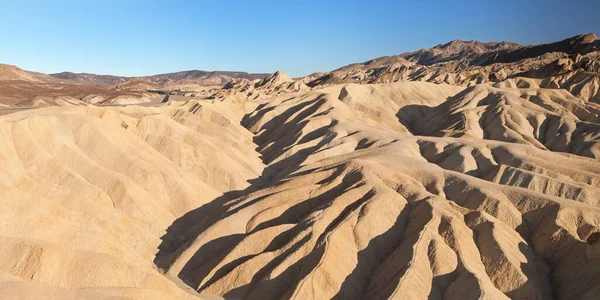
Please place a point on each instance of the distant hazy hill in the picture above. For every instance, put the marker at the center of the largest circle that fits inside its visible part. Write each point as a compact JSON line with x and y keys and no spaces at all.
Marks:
{"x":183,"y":77}
{"x":10,"y":72}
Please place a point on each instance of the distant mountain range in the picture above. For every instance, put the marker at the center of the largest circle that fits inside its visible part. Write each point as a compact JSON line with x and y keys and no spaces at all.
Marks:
{"x":9,"y":72}
{"x":476,"y":53}
{"x":453,"y":62}
{"x":183,"y":77}
{"x":572,"y":64}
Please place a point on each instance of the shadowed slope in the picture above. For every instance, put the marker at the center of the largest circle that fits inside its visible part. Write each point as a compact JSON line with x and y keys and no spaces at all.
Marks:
{"x":357,"y":207}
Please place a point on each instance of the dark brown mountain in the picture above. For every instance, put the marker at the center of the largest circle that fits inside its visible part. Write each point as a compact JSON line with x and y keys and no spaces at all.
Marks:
{"x":483,"y":54}
{"x":457,"y":50}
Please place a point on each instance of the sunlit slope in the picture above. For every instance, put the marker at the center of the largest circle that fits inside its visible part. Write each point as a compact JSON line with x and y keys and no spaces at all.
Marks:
{"x":407,"y":190}
{"x":361,"y":207}
{"x":87,"y":192}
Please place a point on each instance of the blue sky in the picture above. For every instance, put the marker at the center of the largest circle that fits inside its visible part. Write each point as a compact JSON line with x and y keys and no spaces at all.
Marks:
{"x":132,"y":38}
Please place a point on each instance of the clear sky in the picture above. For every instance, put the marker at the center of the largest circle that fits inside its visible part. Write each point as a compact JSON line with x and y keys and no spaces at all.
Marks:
{"x":132,"y":38}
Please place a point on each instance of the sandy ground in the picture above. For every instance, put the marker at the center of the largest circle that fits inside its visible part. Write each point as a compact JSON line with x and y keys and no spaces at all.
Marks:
{"x":407,"y":190}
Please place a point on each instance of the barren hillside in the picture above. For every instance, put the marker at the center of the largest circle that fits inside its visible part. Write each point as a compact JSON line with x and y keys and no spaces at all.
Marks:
{"x":420,"y":176}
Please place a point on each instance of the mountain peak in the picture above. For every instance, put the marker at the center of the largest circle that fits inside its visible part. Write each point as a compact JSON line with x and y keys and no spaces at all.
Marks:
{"x":10,"y":72}
{"x":274,"y":79}
{"x":454,"y":43}
{"x":587,"y":38}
